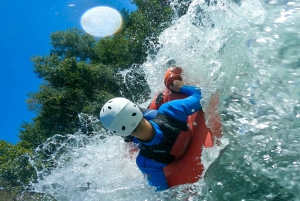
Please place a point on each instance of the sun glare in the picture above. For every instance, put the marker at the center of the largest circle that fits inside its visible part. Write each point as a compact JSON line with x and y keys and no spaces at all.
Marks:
{"x":101,"y":21}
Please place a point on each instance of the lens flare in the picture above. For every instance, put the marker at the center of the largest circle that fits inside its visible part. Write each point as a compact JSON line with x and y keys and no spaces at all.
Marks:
{"x":101,"y":21}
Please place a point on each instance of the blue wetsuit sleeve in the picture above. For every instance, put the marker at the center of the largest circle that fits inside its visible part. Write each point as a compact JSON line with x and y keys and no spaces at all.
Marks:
{"x":136,"y":141}
{"x":181,"y":109}
{"x":153,"y":172}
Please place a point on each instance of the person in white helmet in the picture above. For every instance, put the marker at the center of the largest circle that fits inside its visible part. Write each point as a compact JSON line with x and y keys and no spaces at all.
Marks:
{"x":164,"y":135}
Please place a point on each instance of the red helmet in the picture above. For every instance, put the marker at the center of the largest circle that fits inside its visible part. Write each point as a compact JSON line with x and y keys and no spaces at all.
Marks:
{"x":173,"y":73}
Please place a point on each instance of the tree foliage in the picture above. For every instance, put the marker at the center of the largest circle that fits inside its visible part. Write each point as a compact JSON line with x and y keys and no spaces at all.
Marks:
{"x":70,"y":87}
{"x":72,"y":44}
{"x":16,"y":170}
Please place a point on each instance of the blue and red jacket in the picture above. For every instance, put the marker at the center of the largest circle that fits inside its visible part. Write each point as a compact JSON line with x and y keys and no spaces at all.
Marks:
{"x":177,"y":109}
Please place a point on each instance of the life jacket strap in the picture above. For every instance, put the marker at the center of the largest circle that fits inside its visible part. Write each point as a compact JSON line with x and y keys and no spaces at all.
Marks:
{"x":171,"y":128}
{"x":159,"y":152}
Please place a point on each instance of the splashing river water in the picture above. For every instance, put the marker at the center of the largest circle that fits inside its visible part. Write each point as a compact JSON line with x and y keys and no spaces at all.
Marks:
{"x":247,"y":50}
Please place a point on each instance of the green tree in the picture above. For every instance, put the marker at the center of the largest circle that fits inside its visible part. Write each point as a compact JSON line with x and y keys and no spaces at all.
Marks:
{"x":144,"y":26}
{"x":15,"y":169}
{"x":72,"y":43}
{"x":113,"y":51}
{"x":71,"y":87}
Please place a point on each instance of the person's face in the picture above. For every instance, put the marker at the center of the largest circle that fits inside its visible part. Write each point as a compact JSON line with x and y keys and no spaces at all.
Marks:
{"x":137,"y":130}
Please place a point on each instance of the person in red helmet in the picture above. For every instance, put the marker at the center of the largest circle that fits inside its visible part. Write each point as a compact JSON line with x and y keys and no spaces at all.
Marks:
{"x":173,"y":73}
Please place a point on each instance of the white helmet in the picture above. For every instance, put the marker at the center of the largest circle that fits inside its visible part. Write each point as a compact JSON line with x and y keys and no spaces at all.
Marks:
{"x":121,"y":116}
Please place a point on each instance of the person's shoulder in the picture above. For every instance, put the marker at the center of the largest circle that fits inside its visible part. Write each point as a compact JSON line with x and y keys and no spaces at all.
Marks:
{"x":149,"y":113}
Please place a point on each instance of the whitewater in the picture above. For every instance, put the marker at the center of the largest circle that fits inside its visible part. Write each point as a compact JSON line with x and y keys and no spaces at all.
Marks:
{"x":247,"y":51}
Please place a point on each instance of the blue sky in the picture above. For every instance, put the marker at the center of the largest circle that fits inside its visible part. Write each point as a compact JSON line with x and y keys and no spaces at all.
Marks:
{"x":25,"y":28}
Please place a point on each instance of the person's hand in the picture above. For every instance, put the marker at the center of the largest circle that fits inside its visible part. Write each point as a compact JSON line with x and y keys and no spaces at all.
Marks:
{"x":176,"y":85}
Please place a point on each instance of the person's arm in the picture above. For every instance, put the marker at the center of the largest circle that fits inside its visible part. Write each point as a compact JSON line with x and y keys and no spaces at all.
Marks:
{"x":153,"y":171}
{"x":181,"y":109}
